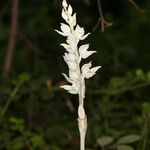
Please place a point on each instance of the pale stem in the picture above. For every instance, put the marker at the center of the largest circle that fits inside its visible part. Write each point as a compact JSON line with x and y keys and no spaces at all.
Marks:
{"x":82,"y":122}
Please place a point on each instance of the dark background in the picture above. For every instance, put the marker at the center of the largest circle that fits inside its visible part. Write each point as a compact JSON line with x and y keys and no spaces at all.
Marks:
{"x":35,"y":114}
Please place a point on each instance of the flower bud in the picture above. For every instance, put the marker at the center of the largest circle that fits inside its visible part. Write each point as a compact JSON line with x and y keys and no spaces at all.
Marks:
{"x":64,"y":3}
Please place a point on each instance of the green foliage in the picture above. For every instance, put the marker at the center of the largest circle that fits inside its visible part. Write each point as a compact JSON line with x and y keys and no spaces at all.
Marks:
{"x":103,"y":141}
{"x":124,"y":147}
{"x":128,"y":139}
{"x":37,"y":141}
{"x":121,"y":144}
{"x":17,"y":124}
{"x":24,"y":77}
{"x":146,"y":109}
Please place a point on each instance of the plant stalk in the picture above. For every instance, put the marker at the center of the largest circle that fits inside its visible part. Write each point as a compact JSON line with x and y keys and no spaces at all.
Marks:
{"x":8,"y":102}
{"x":82,"y":124}
{"x":82,"y":118}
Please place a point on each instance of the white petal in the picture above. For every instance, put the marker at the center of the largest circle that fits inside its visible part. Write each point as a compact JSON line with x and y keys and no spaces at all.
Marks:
{"x":83,"y":47}
{"x":70,"y":10}
{"x":70,"y":39}
{"x":85,"y":36}
{"x":66,"y":77}
{"x":65,"y":59}
{"x":87,"y":54}
{"x":83,"y":51}
{"x":64,"y":45}
{"x":65,"y":29}
{"x":70,"y":57}
{"x":71,"y":42}
{"x":67,"y":47}
{"x":71,"y":21}
{"x":91,"y":72}
{"x":72,"y":65}
{"x":74,"y":19}
{"x":66,"y":87}
{"x":85,"y":68}
{"x":89,"y":75}
{"x":79,"y":31}
{"x":73,"y":92}
{"x":61,"y":33}
{"x":64,"y":3}
{"x":75,"y":86}
{"x":95,"y":69}
{"x":73,"y":75}
{"x":75,"y":89}
{"x":64,"y":15}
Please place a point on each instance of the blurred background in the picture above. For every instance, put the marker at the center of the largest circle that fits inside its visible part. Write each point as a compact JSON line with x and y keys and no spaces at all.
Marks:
{"x":35,"y":114}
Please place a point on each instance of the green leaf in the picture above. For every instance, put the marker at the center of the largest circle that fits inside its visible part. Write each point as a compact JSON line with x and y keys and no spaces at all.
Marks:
{"x":117,"y":82}
{"x":24,"y":77}
{"x":148,"y":75}
{"x":37,"y":141}
{"x":124,"y":147}
{"x":105,"y":140}
{"x":129,"y":139}
{"x":17,"y":144}
{"x":140,"y":74}
{"x":146,"y":108}
{"x":17,"y":124}
{"x":54,"y":147}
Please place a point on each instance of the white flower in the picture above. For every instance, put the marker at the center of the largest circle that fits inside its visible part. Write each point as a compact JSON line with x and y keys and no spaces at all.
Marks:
{"x":73,"y":75}
{"x":74,"y":19}
{"x":65,"y":30}
{"x":69,"y":47}
{"x":67,"y":87}
{"x":92,"y":72}
{"x":69,"y":57}
{"x":64,"y":3}
{"x":79,"y":32}
{"x":85,"y":68}
{"x":74,"y":33}
{"x":67,"y":78}
{"x":69,"y":10}
{"x":85,"y":36}
{"x":87,"y":72}
{"x":84,"y":47}
{"x":83,"y":51}
{"x":66,"y":46}
{"x":73,"y":89}
{"x":77,"y":74}
{"x":72,"y":65}
{"x":64,"y":15}
{"x":71,"y":41}
{"x":71,"y":22}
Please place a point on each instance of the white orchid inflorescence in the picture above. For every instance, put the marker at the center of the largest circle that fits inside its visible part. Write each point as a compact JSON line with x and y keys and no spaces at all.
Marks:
{"x":73,"y":56}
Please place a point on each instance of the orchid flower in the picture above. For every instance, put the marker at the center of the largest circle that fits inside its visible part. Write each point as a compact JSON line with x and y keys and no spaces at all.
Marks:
{"x":73,"y":57}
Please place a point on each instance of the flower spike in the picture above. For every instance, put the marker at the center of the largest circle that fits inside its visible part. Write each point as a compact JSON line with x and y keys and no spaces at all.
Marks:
{"x":73,"y":56}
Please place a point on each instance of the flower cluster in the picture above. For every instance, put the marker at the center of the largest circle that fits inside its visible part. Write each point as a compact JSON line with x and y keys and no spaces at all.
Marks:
{"x":74,"y":54}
